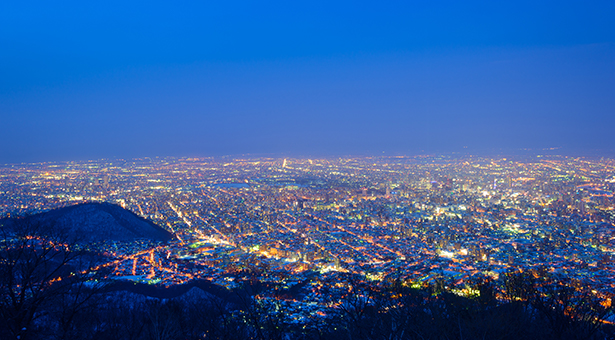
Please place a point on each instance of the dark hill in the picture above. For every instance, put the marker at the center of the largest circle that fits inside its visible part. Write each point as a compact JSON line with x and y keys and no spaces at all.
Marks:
{"x":92,"y":222}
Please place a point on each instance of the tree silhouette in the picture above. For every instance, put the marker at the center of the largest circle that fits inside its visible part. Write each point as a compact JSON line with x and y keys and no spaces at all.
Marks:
{"x":41,"y":273}
{"x":569,"y":309}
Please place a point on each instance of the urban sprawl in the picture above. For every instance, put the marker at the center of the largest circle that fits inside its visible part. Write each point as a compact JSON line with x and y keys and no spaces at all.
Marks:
{"x":301,"y":223}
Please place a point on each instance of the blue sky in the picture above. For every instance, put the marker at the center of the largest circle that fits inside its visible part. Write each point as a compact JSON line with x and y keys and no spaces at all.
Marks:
{"x":117,"y":79}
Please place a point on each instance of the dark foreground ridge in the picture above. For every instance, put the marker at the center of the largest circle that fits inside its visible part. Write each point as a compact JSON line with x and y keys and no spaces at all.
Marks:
{"x":94,"y":222}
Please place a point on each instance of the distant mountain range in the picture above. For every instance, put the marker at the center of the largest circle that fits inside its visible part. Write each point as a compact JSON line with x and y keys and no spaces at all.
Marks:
{"x":93,"y":222}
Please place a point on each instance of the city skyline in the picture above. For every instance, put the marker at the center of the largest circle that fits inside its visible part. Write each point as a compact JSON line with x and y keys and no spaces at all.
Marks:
{"x":309,"y":244}
{"x":361,"y":215}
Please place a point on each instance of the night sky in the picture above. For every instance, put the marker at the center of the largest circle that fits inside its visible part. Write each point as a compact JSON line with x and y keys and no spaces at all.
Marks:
{"x":210,"y":78}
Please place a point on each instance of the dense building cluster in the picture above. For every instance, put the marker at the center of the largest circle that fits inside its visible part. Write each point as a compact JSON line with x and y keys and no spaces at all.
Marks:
{"x":297,"y":224}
